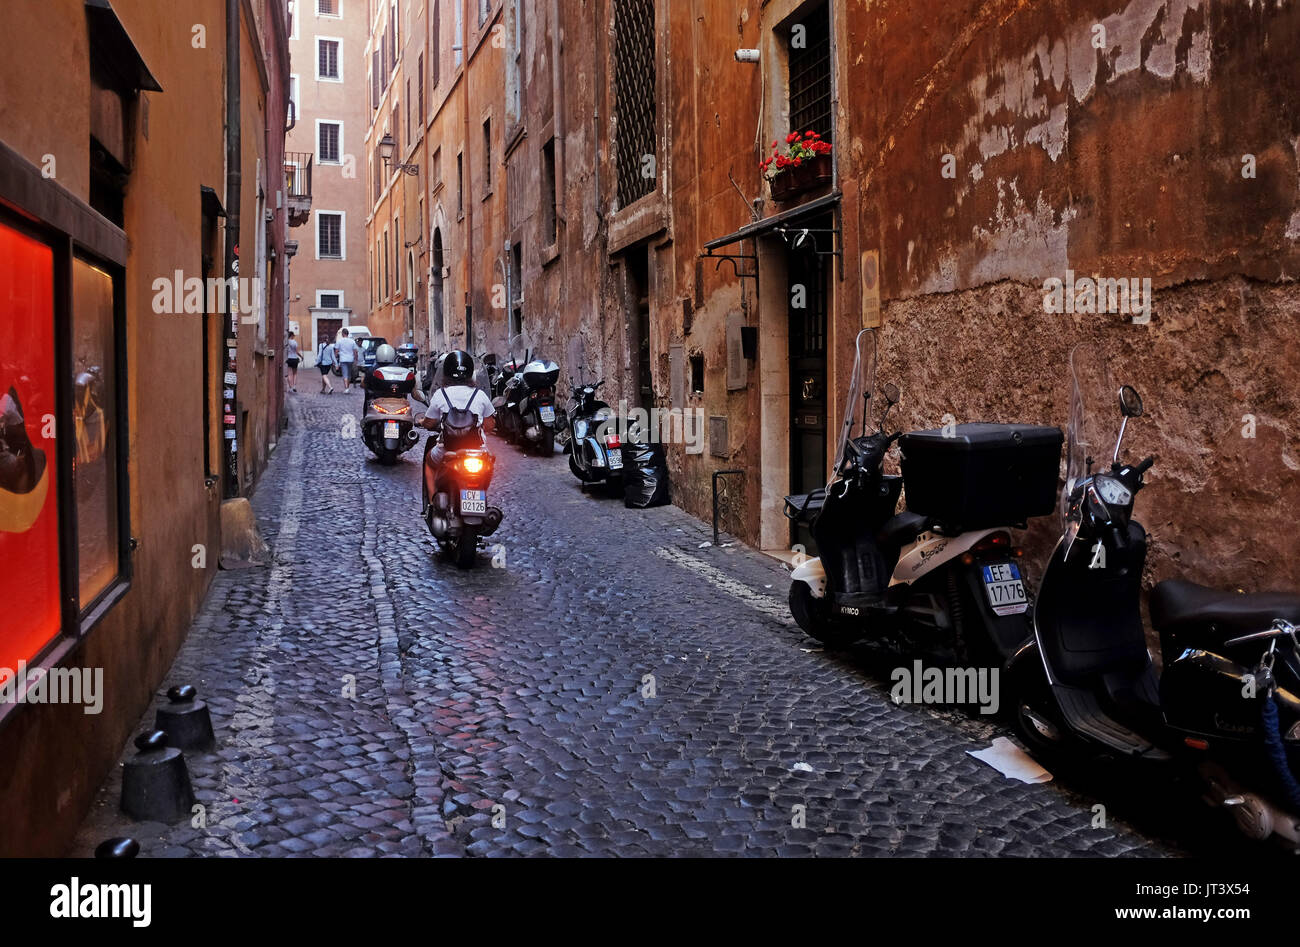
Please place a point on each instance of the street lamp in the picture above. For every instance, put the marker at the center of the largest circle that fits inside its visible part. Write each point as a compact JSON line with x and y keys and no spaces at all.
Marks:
{"x":386,"y":146}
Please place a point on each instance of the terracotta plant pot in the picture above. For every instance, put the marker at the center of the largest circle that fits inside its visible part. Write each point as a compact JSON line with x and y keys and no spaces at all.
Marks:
{"x":809,"y":176}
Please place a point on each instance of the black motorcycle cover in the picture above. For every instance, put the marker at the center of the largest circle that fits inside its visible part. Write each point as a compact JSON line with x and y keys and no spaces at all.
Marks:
{"x":645,"y":476}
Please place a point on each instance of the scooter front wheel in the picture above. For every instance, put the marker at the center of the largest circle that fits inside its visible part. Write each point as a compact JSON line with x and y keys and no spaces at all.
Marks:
{"x":1038,"y":721}
{"x":813,"y":616}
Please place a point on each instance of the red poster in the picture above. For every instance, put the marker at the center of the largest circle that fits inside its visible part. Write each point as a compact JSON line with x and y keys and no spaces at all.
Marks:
{"x":29,"y":520}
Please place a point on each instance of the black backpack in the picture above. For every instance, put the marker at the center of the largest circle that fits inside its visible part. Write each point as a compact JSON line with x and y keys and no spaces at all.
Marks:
{"x":459,"y":425}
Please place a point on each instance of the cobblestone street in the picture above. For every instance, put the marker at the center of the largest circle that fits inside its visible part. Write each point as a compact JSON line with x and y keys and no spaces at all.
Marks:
{"x":372,"y":699}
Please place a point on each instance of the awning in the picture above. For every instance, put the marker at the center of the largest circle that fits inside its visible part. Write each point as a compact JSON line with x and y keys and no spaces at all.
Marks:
{"x":782,"y":223}
{"x":113,"y":54}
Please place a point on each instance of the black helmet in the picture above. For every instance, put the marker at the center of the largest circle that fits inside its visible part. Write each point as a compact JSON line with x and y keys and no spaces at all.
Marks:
{"x":458,"y":367}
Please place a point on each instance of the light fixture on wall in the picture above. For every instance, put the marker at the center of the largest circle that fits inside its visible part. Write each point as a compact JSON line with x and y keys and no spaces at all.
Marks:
{"x":747,"y":55}
{"x":386,"y":146}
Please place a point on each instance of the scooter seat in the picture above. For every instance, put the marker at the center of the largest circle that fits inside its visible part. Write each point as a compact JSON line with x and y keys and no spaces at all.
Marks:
{"x":803,"y":507}
{"x":903,"y":528}
{"x":1177,"y":605}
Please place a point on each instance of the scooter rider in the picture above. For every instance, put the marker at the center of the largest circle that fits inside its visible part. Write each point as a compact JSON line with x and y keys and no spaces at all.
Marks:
{"x":385,"y":355}
{"x":457,"y":391}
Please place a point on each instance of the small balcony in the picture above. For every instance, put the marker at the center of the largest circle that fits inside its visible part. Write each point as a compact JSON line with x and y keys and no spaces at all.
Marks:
{"x":297,"y":176}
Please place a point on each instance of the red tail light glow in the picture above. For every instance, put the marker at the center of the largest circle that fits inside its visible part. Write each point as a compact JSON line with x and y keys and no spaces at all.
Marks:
{"x":472,"y":465}
{"x":997,"y":541}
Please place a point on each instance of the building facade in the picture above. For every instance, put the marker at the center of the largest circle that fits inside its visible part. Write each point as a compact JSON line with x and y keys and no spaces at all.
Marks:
{"x":139,"y":401}
{"x":327,"y":42}
{"x":591,"y":176}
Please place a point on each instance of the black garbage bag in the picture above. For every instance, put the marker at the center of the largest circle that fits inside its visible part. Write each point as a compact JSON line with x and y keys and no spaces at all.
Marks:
{"x":645,"y":476}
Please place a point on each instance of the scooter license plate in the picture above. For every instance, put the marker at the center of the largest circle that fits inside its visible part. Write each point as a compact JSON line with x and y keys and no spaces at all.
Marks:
{"x":1005,"y":589}
{"x":615,"y":458}
{"x":473,"y":501}
{"x":548,"y":414}
{"x":390,"y":429}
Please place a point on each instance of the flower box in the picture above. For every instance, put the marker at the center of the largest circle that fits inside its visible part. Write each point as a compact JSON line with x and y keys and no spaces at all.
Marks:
{"x":808,"y":176}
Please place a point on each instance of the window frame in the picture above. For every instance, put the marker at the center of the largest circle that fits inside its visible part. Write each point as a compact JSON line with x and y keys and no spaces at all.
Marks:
{"x":45,"y":211}
{"x":338,"y":58}
{"x":338,"y":5}
{"x":330,"y":292}
{"x":342,"y":215}
{"x":329,"y":121}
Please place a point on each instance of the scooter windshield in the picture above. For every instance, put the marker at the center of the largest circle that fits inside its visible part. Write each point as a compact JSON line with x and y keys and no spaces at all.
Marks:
{"x":862,"y":382}
{"x":1094,"y":387}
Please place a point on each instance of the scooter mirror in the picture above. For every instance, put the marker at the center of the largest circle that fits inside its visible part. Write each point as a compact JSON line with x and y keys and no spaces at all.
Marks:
{"x":1130,"y":402}
{"x":892,"y":394}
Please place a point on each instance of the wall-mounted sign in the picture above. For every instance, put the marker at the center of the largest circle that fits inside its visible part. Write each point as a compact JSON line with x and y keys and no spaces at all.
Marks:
{"x":870,"y":288}
{"x":231,"y":378}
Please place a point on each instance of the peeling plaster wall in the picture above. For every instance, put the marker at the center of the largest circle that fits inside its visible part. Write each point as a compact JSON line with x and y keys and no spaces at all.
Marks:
{"x":1121,"y":158}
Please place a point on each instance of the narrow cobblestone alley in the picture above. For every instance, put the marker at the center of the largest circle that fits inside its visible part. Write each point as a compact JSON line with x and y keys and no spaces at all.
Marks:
{"x":372,"y":699}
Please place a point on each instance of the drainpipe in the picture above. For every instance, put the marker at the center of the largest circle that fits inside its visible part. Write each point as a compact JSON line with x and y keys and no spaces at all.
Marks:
{"x":469,"y":189}
{"x":229,"y":448}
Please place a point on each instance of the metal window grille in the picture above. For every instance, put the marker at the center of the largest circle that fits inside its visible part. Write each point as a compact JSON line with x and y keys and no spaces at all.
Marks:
{"x":634,"y":99}
{"x":420,"y":92}
{"x":331,"y":235}
{"x":326,"y":8}
{"x":329,"y":141}
{"x":435,"y":46}
{"x":329,"y":301}
{"x":810,"y":75}
{"x":328,"y":50}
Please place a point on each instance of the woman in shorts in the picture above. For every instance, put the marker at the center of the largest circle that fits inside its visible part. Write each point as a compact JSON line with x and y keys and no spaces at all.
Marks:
{"x":292,"y":358}
{"x":325,"y":362}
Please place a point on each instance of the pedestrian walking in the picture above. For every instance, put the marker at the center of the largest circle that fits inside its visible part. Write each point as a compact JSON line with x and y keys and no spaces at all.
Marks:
{"x":325,"y":355}
{"x":292,"y":358}
{"x":348,"y":352}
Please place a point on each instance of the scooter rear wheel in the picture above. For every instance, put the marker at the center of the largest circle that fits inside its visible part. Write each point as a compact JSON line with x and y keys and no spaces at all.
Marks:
{"x":467,"y":548}
{"x":814,"y":617}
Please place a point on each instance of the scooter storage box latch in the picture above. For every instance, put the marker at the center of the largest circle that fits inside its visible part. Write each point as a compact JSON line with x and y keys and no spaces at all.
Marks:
{"x":979,"y":476}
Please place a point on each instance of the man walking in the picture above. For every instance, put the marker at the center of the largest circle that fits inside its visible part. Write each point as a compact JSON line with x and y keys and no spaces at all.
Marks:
{"x":349,"y":353}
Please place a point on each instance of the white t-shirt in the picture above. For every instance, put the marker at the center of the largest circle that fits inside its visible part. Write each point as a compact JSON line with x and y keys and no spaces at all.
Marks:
{"x":461,"y":396}
{"x":348,"y":350}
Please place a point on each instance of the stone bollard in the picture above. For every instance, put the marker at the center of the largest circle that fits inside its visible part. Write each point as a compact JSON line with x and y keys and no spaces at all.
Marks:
{"x":156,"y":783}
{"x":186,"y":721}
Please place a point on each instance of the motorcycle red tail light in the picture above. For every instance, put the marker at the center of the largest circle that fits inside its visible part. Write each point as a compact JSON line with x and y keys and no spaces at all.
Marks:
{"x":997,"y":541}
{"x":611,"y":440}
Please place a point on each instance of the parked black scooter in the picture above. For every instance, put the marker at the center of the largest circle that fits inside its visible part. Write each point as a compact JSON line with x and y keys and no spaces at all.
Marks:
{"x":1228,"y":700}
{"x":525,"y":409}
{"x":591,"y":438}
{"x":942,"y":578}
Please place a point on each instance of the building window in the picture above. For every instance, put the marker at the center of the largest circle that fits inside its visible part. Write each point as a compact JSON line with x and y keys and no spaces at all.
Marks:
{"x":397,"y":256}
{"x":460,"y":184}
{"x":328,"y":62}
{"x":408,"y":111}
{"x":810,"y":75}
{"x":328,"y":8}
{"x":487,"y":157}
{"x":435,"y":45}
{"x":435,"y":170}
{"x":374,"y":80}
{"x":482,"y":11}
{"x":419,"y":115}
{"x":331,"y":299}
{"x":329,"y":137}
{"x":458,"y":46}
{"x":329,"y":235}
{"x":397,"y":31}
{"x":549,"y":201}
{"x":387,"y":256}
{"x":697,"y":374}
{"x":634,"y":98}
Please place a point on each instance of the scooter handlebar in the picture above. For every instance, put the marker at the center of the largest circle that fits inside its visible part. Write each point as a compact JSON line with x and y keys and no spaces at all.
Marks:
{"x":1144,"y":466}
